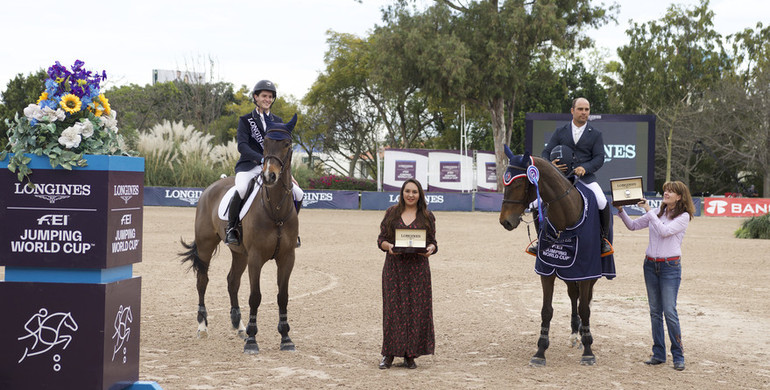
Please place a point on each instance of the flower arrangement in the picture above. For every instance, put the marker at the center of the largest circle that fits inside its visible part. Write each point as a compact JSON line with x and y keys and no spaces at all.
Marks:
{"x":334,"y":182}
{"x":71,"y":118}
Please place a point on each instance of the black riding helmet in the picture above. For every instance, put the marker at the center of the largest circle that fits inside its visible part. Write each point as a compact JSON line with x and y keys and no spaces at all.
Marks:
{"x":565,"y":155}
{"x":263,"y":85}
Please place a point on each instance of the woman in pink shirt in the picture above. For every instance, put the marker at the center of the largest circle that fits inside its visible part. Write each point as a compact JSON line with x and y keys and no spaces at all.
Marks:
{"x":662,"y":265}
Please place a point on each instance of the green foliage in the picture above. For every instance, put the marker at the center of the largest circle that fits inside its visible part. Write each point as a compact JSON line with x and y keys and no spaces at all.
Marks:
{"x":334,"y":182}
{"x":755,"y":227}
{"x":18,"y":93}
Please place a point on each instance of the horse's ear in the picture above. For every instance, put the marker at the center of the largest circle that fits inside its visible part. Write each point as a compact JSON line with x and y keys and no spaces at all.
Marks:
{"x":526,"y":155}
{"x":290,"y":124}
{"x":508,"y":152}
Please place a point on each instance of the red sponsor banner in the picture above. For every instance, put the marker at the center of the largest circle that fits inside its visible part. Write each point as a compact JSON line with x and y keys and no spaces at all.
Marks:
{"x":736,"y":207}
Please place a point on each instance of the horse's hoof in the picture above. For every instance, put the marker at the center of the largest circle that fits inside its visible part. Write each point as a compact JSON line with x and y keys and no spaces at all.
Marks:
{"x":203,"y":334}
{"x":288,"y":346}
{"x":537,"y":362}
{"x":588,"y":360}
{"x":251,"y":347}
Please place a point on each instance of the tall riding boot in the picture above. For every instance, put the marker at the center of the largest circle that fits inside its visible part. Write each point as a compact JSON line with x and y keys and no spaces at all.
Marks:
{"x":298,"y":205}
{"x":232,"y":234}
{"x":605,"y":216}
{"x":532,"y":250}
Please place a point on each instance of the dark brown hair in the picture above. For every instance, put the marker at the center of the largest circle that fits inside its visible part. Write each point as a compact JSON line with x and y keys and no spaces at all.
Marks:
{"x":683,"y":205}
{"x":423,"y":215}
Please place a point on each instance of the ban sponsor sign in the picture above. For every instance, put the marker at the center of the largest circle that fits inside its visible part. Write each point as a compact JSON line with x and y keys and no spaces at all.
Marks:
{"x":736,"y":207}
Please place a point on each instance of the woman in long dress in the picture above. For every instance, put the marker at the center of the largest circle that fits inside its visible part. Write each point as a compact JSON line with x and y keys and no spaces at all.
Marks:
{"x":407,"y":301}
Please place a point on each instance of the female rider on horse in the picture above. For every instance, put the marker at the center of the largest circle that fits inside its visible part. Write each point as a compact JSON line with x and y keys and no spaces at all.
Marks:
{"x":250,"y":136}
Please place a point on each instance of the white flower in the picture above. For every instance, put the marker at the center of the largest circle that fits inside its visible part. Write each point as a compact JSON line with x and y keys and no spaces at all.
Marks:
{"x":52,"y":115}
{"x":110,"y":122}
{"x":33,"y":111}
{"x":86,"y":128}
{"x":70,"y":137}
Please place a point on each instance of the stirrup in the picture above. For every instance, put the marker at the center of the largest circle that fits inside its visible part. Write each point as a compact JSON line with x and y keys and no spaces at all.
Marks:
{"x":299,"y":242}
{"x":532,"y":249}
{"x":611,"y":251}
{"x":232,"y":236}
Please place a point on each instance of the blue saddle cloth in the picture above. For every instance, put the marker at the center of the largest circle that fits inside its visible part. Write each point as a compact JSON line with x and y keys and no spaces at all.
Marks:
{"x":575,"y":253}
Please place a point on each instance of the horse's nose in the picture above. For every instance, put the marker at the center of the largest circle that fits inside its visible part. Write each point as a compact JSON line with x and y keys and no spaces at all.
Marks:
{"x":506,"y":224}
{"x":271,"y":177}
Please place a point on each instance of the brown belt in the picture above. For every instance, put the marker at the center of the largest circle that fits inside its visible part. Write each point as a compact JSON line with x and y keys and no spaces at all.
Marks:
{"x":660,"y":259}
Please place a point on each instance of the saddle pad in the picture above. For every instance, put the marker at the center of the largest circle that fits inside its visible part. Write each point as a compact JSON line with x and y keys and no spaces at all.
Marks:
{"x":224,"y":204}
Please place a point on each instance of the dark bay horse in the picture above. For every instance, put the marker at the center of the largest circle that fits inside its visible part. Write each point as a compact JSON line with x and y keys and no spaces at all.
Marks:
{"x":269,"y":232}
{"x":564,"y":207}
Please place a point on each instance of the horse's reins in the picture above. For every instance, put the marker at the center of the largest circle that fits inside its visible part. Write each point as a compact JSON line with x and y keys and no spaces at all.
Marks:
{"x":265,"y":195}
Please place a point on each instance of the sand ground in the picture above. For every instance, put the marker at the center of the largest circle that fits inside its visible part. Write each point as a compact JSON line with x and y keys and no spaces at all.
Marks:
{"x":486,"y":310}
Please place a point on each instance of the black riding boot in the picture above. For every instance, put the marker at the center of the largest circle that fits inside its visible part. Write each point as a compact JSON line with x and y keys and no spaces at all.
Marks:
{"x":298,"y":205}
{"x":532,"y":250}
{"x":605,"y":216}
{"x":232,"y":235}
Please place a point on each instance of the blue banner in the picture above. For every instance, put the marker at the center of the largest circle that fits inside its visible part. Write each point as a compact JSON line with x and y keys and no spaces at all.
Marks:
{"x":489,"y":201}
{"x":326,"y":199}
{"x":171,"y":196}
{"x":440,"y":201}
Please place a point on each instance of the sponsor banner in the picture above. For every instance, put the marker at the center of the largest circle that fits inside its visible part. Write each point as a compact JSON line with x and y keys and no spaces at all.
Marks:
{"x":449,"y":201}
{"x":73,"y":218}
{"x":403,"y":164}
{"x":736,"y":207}
{"x":449,"y":171}
{"x":654,"y":202}
{"x":172,"y":196}
{"x":486,"y":169}
{"x":489,"y":201}
{"x":69,"y":335}
{"x":322,"y":199}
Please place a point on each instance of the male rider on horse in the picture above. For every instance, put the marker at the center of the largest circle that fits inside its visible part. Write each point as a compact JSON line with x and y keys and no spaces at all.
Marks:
{"x":251,"y":133}
{"x":583,"y":152}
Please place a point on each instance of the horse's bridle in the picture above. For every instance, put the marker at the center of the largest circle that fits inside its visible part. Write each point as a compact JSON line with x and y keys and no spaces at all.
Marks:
{"x":274,"y":157}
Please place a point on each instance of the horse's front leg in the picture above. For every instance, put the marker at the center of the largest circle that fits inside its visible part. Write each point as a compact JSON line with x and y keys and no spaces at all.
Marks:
{"x":584,"y":307}
{"x":546,"y":314}
{"x":574,"y":292}
{"x":285,"y":267}
{"x":233,"y":285}
{"x":255,"y":299}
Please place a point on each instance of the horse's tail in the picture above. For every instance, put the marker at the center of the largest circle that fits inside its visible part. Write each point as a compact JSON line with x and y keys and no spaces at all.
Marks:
{"x":191,"y":255}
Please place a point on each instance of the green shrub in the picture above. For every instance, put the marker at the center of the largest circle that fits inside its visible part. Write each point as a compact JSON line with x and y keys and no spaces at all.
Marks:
{"x":755,"y":227}
{"x":334,"y":182}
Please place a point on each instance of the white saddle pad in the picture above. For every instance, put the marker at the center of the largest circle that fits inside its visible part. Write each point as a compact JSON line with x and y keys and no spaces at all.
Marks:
{"x":224,"y":204}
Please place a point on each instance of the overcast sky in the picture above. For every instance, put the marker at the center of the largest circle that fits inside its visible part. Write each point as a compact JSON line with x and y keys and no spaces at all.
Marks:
{"x":281,"y":40}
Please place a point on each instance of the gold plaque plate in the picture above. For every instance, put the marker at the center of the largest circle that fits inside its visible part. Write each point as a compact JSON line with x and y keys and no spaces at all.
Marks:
{"x":626,"y":190}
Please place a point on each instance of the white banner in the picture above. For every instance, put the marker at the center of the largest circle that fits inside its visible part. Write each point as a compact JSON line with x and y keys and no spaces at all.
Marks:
{"x":450,"y":171}
{"x":403,"y":164}
{"x":485,"y":171}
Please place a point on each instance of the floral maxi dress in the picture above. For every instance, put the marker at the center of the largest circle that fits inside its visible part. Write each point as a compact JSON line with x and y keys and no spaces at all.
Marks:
{"x":407,"y":300}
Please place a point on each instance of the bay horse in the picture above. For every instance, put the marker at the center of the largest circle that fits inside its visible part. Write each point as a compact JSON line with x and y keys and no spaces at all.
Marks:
{"x":565,"y":208}
{"x":270,"y":229}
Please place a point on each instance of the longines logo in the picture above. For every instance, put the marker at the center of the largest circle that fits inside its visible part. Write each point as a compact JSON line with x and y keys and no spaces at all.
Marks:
{"x":716,"y":207}
{"x":619,"y":152}
{"x":53,"y":192}
{"x":189,"y":196}
{"x":428,"y":199}
{"x":126,"y":191}
{"x":316,"y":197}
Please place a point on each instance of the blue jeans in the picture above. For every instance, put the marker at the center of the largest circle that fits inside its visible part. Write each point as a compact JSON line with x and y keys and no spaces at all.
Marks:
{"x":662,"y":280}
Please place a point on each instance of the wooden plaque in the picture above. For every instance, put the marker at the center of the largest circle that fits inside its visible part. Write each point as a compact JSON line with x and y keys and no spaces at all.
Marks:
{"x":411,"y":241}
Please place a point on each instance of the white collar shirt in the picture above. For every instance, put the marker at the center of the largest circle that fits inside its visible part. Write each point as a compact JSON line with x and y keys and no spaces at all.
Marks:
{"x":577,"y":131}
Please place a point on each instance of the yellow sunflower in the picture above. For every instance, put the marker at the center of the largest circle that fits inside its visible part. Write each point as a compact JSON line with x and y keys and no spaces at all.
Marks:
{"x":105,"y":103}
{"x":43,"y":97}
{"x":70,"y":103}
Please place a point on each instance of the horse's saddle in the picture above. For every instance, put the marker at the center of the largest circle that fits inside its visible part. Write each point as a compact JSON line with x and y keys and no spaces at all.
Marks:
{"x":251,"y":193}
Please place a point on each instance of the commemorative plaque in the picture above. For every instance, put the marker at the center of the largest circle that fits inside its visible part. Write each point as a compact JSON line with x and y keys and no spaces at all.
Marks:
{"x":626,"y":190}
{"x":411,"y":241}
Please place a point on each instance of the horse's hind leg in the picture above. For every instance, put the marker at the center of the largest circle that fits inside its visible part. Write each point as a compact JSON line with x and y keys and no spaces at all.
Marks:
{"x":233,"y":285}
{"x":546,"y":314}
{"x":284,"y":272}
{"x":584,"y":307}
{"x":200,"y":257}
{"x":574,"y":292}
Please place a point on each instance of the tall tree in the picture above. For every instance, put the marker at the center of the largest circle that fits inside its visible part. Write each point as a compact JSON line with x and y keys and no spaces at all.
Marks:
{"x":481,"y":52}
{"x":667,"y":66}
{"x":19,"y":93}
